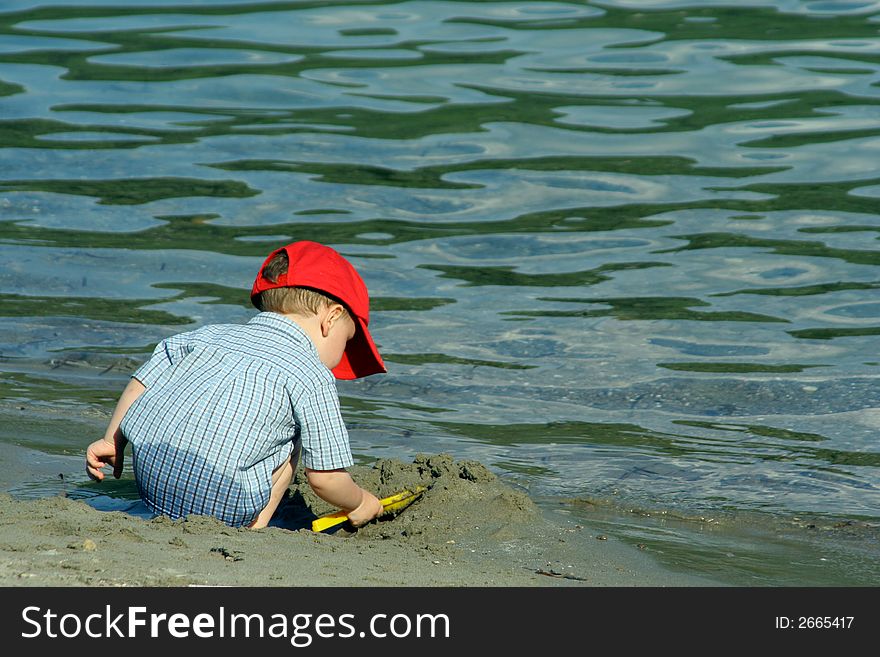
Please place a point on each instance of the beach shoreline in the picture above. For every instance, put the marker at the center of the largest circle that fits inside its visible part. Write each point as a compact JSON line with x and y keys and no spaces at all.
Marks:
{"x":470,"y":529}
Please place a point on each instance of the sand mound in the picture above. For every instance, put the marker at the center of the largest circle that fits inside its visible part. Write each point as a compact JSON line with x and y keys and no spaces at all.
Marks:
{"x":461,"y":497}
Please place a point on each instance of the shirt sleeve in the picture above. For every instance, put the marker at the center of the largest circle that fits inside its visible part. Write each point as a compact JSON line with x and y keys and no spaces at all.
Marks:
{"x":167,"y":353}
{"x":324,"y":437}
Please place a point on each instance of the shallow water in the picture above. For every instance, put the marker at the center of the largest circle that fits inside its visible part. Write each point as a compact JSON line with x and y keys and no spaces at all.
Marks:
{"x":618,"y":251}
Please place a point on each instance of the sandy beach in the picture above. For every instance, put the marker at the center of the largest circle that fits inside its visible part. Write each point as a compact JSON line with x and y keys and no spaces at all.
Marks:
{"x":469,"y":529}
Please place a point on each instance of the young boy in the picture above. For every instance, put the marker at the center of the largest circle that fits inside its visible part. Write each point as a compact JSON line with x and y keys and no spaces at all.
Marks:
{"x":218,"y":416}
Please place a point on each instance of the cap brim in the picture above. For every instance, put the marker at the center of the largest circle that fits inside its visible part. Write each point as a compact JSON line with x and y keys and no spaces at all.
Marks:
{"x":361,"y":357}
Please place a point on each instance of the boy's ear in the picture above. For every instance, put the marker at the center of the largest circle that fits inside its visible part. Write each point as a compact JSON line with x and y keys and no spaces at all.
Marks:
{"x":331,"y":315}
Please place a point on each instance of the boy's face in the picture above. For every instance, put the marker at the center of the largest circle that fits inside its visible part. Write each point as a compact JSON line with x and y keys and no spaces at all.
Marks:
{"x":337,"y":330}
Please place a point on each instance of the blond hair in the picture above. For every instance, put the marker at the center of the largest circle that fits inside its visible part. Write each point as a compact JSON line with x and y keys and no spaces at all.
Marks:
{"x":294,"y":300}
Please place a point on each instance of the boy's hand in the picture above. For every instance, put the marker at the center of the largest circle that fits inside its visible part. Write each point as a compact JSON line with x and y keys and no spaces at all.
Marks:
{"x":102,"y":453}
{"x":369,"y":508}
{"x":338,"y":488}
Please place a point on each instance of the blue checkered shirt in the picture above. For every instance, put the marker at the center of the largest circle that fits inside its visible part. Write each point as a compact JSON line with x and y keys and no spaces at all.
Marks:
{"x":223,"y":407}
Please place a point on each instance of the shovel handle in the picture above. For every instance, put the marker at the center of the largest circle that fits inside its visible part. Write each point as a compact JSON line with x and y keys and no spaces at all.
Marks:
{"x":391,"y":503}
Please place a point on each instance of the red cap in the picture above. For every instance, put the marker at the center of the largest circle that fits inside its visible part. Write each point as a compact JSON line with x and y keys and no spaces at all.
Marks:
{"x":321,"y":268}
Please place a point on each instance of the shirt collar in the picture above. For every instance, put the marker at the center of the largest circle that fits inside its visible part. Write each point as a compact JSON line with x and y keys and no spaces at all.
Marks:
{"x":286,"y":326}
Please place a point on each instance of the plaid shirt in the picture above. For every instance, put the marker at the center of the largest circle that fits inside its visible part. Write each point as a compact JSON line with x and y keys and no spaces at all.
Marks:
{"x":223,"y":407}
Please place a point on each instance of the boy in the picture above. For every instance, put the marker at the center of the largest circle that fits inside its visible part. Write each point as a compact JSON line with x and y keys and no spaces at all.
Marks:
{"x":218,"y":416}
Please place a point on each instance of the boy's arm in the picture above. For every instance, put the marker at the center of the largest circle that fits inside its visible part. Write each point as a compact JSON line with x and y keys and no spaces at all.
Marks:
{"x":338,"y":488}
{"x":109,"y":450}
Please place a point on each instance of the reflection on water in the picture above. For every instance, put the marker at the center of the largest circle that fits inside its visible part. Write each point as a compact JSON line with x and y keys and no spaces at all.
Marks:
{"x":740,"y":548}
{"x":616,"y":249}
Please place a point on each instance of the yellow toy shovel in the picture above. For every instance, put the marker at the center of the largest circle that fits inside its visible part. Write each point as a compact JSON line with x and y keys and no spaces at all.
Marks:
{"x":392,"y":504}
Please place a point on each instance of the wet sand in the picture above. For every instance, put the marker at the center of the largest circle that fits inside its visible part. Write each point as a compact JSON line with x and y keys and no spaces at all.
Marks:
{"x":468,"y":529}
